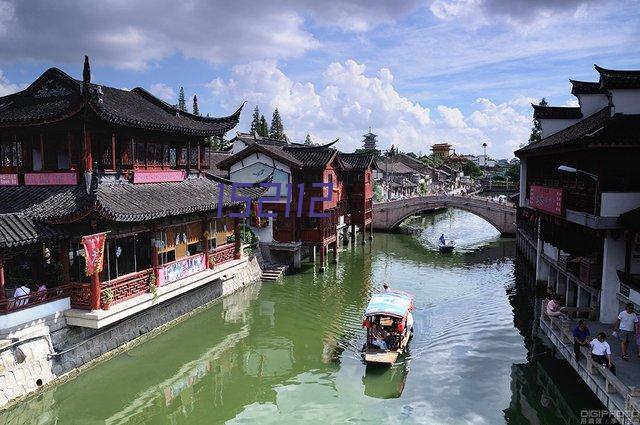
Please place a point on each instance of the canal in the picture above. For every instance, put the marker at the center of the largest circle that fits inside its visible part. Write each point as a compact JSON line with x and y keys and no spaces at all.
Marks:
{"x":289,"y":352}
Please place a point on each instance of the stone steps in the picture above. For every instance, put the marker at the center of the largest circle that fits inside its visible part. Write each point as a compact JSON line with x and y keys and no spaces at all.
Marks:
{"x":273,"y":272}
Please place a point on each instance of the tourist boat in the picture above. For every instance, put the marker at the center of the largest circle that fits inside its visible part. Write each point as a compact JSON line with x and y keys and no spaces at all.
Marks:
{"x":387,"y":318}
{"x":447,"y":246}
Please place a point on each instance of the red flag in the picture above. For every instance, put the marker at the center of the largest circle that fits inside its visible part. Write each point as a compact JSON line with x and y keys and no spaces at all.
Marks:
{"x":94,"y":252}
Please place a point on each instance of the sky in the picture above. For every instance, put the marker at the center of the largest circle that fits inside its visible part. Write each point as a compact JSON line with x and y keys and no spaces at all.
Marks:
{"x":417,"y":72}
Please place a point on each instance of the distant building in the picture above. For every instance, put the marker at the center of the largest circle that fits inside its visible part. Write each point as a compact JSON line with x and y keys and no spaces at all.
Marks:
{"x":370,"y":141}
{"x":441,"y":149}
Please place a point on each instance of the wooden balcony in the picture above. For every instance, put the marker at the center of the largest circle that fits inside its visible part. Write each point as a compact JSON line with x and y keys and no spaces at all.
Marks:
{"x":123,"y":288}
{"x":13,"y":304}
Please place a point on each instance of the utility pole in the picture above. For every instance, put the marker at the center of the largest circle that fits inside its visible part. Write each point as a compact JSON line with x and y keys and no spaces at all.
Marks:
{"x":484,"y":145}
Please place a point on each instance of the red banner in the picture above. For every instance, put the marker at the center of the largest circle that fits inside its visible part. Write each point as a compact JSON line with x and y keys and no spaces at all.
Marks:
{"x":94,"y":252}
{"x":547,"y":199}
{"x":8,"y":179}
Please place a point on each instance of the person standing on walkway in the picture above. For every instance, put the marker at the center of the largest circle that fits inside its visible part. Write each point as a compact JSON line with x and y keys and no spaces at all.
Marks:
{"x":601,"y":352}
{"x":626,"y":327}
{"x":580,"y":335}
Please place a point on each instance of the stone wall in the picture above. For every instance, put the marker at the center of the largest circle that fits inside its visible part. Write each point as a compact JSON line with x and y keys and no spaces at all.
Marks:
{"x":49,"y":350}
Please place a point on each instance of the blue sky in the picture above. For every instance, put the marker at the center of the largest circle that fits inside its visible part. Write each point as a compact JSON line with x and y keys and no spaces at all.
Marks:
{"x":417,"y":72}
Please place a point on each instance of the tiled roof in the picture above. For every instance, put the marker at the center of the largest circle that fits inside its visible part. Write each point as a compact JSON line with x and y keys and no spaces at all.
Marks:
{"x":586,"y":87}
{"x":396,"y":168}
{"x":249,"y":138}
{"x":274,"y":152}
{"x":18,"y":230}
{"x":312,"y":157}
{"x":599,"y":129}
{"x":616,"y":79}
{"x":56,"y":96}
{"x":128,"y":202}
{"x":357,"y":161}
{"x":46,"y":203}
{"x":554,"y":112}
{"x":214,"y":158}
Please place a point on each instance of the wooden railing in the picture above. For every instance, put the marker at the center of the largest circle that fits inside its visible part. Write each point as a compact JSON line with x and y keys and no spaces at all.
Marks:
{"x":222,"y":254}
{"x":123,"y":288}
{"x":9,"y":305}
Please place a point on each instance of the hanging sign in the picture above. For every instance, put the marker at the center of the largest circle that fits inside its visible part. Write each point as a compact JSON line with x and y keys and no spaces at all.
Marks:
{"x":8,"y":179}
{"x":58,"y":178}
{"x":94,"y":252}
{"x":547,"y":199}
{"x":158,"y":176}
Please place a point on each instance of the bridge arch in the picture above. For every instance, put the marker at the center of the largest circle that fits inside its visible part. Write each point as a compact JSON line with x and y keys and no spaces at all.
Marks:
{"x":389,"y":215}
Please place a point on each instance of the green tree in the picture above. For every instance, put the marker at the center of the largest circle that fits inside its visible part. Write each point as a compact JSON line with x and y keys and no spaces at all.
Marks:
{"x":513,"y":172}
{"x":255,"y":120}
{"x":218,"y":143}
{"x":307,"y":140}
{"x":536,"y":130}
{"x":432,"y":160}
{"x":276,"y":131}
{"x":263,"y":128}
{"x":182,"y":102}
{"x":412,"y":155}
{"x":196,"y":110}
{"x":471,"y":169}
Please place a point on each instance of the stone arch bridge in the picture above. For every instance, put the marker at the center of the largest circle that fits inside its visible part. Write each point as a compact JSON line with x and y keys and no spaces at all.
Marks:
{"x":389,"y":215}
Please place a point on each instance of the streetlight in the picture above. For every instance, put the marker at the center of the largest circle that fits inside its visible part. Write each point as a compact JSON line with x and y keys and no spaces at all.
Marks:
{"x":484,"y":145}
{"x":574,"y":170}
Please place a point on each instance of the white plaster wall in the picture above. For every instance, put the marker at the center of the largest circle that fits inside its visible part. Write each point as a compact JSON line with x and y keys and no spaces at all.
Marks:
{"x":552,"y":126}
{"x":263,"y":159}
{"x":34,"y":313}
{"x":592,"y":103}
{"x":523,"y":183}
{"x":615,"y":203}
{"x":612,"y":260}
{"x":625,"y":101}
{"x":238,"y":145}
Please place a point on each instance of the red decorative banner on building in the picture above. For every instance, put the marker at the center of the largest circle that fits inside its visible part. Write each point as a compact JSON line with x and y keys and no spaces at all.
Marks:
{"x":8,"y":179}
{"x":158,"y":176}
{"x":64,"y":178}
{"x":547,"y":199}
{"x":94,"y":252}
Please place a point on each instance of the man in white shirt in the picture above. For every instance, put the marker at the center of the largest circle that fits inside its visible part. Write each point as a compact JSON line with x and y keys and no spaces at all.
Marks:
{"x":601,"y":352}
{"x":21,"y":291}
{"x":626,"y":327}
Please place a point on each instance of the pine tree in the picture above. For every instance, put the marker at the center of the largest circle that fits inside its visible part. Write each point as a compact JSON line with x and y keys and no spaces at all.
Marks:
{"x":536,"y":130}
{"x":263,"y":128}
{"x":276,"y":131}
{"x":255,"y":121}
{"x":196,"y":110}
{"x":182,"y":103}
{"x":307,"y":140}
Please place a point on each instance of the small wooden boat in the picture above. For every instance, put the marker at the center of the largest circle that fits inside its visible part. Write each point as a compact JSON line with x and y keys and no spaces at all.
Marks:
{"x":447,"y":246}
{"x":389,"y":326}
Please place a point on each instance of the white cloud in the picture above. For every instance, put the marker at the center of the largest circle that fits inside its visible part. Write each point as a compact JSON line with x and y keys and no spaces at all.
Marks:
{"x":164,"y":92}
{"x":451,"y":117}
{"x":7,"y":87}
{"x":135,"y":35}
{"x":572,"y":102}
{"x":350,"y":99}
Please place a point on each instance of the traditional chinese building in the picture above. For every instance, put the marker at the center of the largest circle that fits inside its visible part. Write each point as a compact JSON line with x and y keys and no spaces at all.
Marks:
{"x":291,"y":227}
{"x":580,"y":195}
{"x":370,"y":142}
{"x":78,"y":158}
{"x":442,"y":150}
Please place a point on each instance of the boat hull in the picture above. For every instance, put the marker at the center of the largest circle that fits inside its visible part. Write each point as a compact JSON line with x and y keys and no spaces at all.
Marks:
{"x":446,"y":249}
{"x":375,"y":356}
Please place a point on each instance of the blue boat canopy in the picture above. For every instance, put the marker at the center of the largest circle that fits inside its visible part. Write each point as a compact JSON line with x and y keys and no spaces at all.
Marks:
{"x":390,"y":303}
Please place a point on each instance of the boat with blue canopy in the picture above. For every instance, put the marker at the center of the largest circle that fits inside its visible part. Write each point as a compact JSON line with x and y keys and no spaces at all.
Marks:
{"x":389,"y":325}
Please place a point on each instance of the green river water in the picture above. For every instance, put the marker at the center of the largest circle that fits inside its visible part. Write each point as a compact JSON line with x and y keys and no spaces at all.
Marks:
{"x":289,"y":352}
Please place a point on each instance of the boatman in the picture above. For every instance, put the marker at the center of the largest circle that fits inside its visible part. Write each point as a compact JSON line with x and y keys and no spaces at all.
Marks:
{"x":385,"y":286}
{"x":442,"y":240}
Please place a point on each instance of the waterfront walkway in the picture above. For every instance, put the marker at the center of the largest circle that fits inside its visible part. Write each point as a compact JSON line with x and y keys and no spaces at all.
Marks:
{"x":619,"y":393}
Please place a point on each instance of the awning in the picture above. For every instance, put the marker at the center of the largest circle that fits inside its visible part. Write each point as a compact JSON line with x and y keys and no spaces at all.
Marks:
{"x":391,"y":303}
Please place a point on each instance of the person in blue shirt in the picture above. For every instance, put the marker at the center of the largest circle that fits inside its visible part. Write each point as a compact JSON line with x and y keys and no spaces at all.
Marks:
{"x":580,"y":334}
{"x":442,"y":241}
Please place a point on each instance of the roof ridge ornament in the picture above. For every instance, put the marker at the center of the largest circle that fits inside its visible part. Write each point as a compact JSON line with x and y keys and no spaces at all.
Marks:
{"x":86,"y":75}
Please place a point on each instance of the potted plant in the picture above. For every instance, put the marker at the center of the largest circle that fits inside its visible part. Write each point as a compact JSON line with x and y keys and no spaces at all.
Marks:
{"x":106,"y":297}
{"x":153,"y":288}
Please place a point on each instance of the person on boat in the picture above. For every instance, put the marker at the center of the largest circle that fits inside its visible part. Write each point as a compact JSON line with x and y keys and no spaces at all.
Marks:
{"x":601,"y":352}
{"x":442,"y":239}
{"x":379,"y":337}
{"x":385,"y":287}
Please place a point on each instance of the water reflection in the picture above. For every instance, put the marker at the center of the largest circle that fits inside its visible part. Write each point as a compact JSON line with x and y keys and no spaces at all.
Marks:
{"x":290,"y":352}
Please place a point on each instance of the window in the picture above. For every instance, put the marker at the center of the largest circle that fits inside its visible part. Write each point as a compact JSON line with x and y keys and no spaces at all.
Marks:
{"x":140,"y":153}
{"x":126,"y":255}
{"x":11,"y":152}
{"x":309,"y":223}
